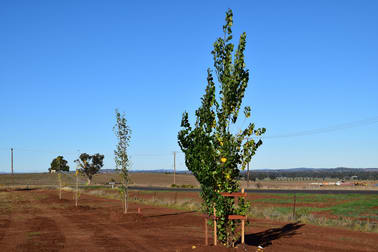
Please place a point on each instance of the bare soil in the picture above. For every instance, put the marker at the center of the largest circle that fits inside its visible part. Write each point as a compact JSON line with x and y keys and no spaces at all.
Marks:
{"x":36,"y":220}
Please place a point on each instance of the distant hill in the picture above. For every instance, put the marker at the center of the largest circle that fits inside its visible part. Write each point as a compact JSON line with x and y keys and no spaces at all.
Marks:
{"x":303,"y":169}
{"x":317,"y":170}
{"x":337,"y":173}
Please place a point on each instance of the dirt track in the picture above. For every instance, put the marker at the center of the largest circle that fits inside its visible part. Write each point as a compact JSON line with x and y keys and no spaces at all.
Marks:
{"x":37,"y":220}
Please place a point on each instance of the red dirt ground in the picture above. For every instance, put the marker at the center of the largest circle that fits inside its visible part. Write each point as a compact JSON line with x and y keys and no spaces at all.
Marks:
{"x":36,"y":220}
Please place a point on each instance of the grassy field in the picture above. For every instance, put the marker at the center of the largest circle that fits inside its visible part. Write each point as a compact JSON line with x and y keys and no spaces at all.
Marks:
{"x":352,"y":211}
{"x":139,"y":179}
{"x":347,"y":205}
{"x":162,"y":180}
{"x":356,"y":211}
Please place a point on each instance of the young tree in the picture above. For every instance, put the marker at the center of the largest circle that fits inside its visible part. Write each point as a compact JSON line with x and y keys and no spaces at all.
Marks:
{"x":122,"y":132}
{"x":59,"y":165}
{"x":212,"y":151}
{"x":90,"y":164}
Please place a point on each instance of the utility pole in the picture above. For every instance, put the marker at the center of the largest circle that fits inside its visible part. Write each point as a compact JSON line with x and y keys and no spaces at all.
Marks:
{"x":12,"y":160}
{"x":174,"y":167}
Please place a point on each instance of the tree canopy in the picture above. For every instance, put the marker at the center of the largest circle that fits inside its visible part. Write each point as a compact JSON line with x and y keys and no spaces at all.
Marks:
{"x":90,"y":164}
{"x":59,"y":164}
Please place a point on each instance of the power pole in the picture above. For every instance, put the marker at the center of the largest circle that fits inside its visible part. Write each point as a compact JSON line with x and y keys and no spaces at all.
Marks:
{"x":12,"y":160}
{"x":174,"y":167}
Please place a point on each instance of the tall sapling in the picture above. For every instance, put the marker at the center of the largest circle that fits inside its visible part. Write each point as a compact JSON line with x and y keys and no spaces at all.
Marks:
{"x":122,"y":162}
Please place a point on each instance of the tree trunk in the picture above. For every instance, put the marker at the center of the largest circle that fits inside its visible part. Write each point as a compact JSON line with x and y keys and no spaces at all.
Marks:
{"x":60,"y":187}
{"x":127,"y":198}
{"x":126,"y":195}
{"x":89,"y":181}
{"x":77,"y":190}
{"x":125,"y":203}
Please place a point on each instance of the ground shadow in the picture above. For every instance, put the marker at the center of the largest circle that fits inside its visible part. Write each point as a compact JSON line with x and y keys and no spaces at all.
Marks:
{"x":169,"y":214}
{"x":25,"y":189}
{"x":265,"y":238}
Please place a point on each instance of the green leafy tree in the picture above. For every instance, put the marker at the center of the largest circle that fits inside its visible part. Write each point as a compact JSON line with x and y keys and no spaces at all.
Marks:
{"x":59,"y":165}
{"x":123,"y":134}
{"x":212,"y":151}
{"x":89,"y":165}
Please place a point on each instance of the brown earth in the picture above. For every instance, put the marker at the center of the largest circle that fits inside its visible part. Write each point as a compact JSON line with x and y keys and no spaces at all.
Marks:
{"x":36,"y":220}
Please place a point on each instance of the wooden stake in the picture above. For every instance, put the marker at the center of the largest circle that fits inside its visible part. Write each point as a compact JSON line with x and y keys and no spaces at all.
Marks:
{"x":243,"y":223}
{"x":60,"y":186}
{"x":77,"y":188}
{"x":125,"y":202}
{"x":174,"y":167}
{"x":295,"y":199}
{"x":215,"y":228}
{"x":206,"y":235}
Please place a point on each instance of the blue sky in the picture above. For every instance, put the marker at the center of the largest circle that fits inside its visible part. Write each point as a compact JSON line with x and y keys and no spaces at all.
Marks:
{"x":66,"y":65}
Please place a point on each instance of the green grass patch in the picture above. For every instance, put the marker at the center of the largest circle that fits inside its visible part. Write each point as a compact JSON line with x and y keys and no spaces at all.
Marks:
{"x":348,"y":205}
{"x":31,"y":234}
{"x":357,"y":208}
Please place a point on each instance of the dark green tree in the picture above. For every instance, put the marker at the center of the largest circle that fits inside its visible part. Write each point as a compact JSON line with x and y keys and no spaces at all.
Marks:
{"x":212,"y":151}
{"x":123,"y":134}
{"x":59,"y":164}
{"x":89,"y":165}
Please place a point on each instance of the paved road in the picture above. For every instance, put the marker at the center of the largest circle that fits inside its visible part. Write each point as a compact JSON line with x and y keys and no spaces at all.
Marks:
{"x":322,"y":191}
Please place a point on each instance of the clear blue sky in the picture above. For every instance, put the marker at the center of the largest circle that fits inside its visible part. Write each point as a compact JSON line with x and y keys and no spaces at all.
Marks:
{"x":66,"y":65}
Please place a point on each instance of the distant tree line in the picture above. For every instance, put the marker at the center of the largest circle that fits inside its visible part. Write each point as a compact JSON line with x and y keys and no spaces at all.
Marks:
{"x":342,"y":174}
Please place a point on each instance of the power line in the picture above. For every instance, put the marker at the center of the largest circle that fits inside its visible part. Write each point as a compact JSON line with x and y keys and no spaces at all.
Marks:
{"x":352,"y":124}
{"x":150,"y":154}
{"x":41,"y":151}
{"x":337,"y":127}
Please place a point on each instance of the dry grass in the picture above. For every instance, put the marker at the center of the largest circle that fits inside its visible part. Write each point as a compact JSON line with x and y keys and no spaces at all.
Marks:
{"x":149,"y":179}
{"x":161,"y":180}
{"x":137,"y":179}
